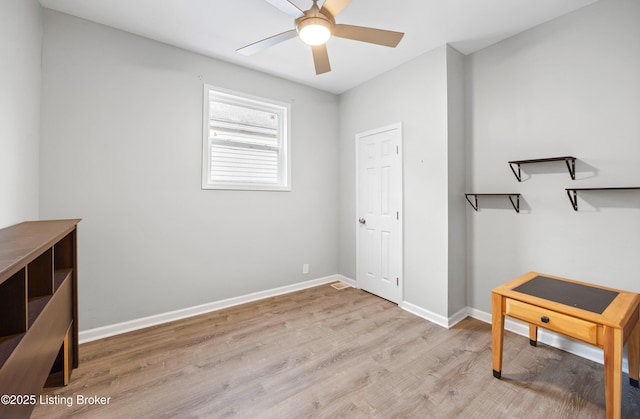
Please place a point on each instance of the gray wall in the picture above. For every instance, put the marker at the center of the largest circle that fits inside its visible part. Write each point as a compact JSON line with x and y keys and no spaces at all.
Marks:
{"x":568,"y":87}
{"x":20,"y":50}
{"x":457,"y":235}
{"x":416,"y":95}
{"x":121,"y":148}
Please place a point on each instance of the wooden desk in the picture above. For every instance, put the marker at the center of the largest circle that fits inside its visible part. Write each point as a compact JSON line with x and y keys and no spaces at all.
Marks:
{"x":603,"y":317}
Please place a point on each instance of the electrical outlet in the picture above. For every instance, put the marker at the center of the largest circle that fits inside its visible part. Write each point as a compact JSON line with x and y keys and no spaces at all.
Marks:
{"x":305,"y":268}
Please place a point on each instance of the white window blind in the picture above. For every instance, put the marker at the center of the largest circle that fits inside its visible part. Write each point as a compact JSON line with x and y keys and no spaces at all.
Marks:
{"x":238,"y":164}
{"x":245,"y":144}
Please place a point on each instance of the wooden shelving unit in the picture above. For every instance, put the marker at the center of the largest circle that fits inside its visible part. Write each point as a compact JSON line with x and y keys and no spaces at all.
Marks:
{"x":515,"y":205}
{"x":569,"y":160}
{"x":38,"y":308}
{"x":572,"y":193}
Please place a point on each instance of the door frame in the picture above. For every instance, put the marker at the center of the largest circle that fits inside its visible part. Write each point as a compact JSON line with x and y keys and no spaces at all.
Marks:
{"x":358,"y":136}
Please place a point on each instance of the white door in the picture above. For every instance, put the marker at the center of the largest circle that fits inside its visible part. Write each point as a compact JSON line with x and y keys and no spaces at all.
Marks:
{"x":379,"y":211}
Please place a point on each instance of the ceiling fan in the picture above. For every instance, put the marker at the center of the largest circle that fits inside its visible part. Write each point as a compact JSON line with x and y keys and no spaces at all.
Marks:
{"x":316,"y":25}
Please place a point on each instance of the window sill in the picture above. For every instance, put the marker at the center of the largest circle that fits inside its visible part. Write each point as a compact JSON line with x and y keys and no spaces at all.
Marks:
{"x":247,"y":188}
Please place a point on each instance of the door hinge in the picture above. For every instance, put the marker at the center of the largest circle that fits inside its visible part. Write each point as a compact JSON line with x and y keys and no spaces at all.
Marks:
{"x":397,"y":149}
{"x":397,"y":282}
{"x":397,"y":215}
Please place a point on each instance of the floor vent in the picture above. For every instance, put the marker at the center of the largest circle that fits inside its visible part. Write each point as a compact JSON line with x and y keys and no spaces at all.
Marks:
{"x":340,"y":285}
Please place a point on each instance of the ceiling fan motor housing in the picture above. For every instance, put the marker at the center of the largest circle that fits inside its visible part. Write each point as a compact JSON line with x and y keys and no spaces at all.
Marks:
{"x":315,"y":17}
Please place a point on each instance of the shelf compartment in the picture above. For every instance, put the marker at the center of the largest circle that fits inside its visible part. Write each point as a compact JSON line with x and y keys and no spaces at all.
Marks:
{"x":569,"y":160}
{"x":36,"y":305}
{"x":40,"y":275}
{"x":63,"y":252}
{"x":572,"y":193}
{"x":515,"y":205}
{"x":59,"y":276}
{"x":13,"y":304}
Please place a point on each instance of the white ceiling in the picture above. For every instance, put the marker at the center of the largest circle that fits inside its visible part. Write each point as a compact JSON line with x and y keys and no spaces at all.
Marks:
{"x":217,"y":28}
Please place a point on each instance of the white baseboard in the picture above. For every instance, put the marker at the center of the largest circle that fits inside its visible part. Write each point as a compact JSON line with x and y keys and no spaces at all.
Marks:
{"x":346,"y":280}
{"x":447,"y":322}
{"x":459,"y":316}
{"x":583,"y":350}
{"x":136,"y":324}
{"x":425,"y":314}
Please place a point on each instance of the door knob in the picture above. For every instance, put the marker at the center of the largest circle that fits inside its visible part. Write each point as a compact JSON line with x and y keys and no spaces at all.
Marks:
{"x":362,"y":221}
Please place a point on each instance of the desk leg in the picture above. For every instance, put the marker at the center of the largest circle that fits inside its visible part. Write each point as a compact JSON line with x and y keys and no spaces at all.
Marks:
{"x":613,"y":371}
{"x":634,"y":355}
{"x":533,"y":335}
{"x":497,"y":333}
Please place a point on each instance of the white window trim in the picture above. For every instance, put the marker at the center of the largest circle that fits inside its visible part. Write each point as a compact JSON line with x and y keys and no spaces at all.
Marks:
{"x":284,"y":129}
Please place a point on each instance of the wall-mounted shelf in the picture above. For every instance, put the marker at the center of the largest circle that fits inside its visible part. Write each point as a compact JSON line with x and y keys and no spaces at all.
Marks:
{"x":516,"y":204}
{"x":572,"y":193}
{"x":569,"y":160}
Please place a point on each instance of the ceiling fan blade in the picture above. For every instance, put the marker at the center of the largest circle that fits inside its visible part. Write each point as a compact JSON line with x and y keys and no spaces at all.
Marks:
{"x":321,"y":59}
{"x":267,"y":42}
{"x":286,"y":7}
{"x":371,"y":35}
{"x":335,"y":6}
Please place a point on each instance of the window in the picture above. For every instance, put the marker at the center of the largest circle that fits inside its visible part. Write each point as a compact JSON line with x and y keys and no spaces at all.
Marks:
{"x":246,"y":142}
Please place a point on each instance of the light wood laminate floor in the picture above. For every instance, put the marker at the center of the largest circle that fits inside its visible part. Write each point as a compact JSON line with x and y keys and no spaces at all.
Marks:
{"x":328,"y":353}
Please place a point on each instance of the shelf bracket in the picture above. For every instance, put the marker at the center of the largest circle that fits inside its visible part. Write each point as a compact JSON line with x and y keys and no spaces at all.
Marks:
{"x":516,"y":205}
{"x":571,"y":166}
{"x":517,"y":174}
{"x":573,"y":197}
{"x":475,"y":207}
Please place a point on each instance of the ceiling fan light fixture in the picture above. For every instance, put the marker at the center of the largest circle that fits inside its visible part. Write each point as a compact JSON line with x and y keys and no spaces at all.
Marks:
{"x":314,"y":30}
{"x":316,"y":26}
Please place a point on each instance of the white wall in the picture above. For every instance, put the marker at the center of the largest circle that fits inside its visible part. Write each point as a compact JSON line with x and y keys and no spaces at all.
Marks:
{"x":414,"y":94}
{"x":20,"y":50}
{"x":568,"y":87}
{"x":121,"y":148}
